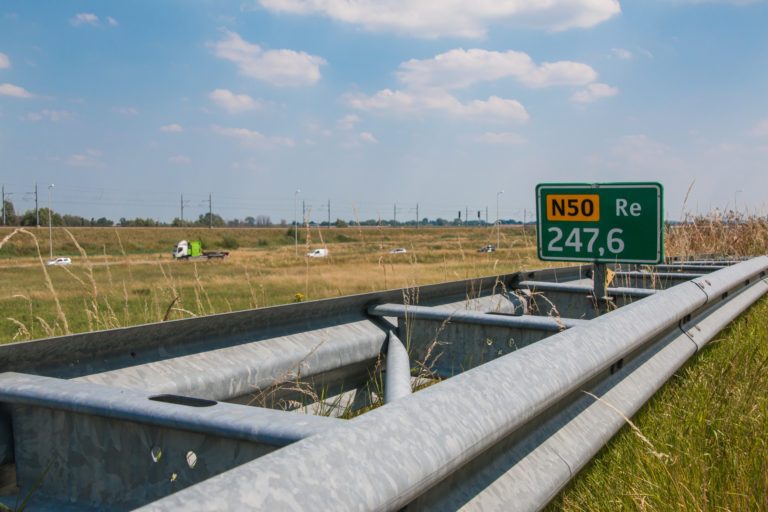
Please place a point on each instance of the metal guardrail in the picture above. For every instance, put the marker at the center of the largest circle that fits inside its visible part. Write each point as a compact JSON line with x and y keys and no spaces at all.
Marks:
{"x":138,"y":417}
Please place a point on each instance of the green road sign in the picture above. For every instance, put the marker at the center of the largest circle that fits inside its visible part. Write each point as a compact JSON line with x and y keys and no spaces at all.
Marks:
{"x":600,"y":222}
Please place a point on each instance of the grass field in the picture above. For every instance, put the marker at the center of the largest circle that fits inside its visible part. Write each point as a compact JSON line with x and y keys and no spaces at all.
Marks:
{"x":126,"y":276}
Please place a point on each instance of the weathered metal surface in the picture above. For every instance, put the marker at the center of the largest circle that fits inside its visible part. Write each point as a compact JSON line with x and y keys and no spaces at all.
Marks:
{"x":576,"y":300}
{"x":654,"y":280}
{"x":231,"y":372}
{"x":688,"y":267}
{"x":443,"y":427}
{"x":118,"y":448}
{"x":472,"y":317}
{"x":528,"y":469}
{"x":615,"y":292}
{"x":448,"y":342}
{"x":511,"y":426}
{"x":397,"y":383}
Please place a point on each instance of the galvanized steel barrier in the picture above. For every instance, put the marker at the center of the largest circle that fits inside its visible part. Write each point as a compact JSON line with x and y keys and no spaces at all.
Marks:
{"x":533,"y":378}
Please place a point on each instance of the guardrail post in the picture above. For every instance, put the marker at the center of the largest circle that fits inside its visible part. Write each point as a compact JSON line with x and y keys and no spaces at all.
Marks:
{"x":600,"y":279}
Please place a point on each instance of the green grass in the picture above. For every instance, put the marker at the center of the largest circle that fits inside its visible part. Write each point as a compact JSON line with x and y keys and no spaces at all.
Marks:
{"x":710,"y":422}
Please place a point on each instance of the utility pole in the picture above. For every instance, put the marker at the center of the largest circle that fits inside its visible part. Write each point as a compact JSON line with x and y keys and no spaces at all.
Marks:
{"x":210,"y":211}
{"x":5,"y":212}
{"x":37,"y":210}
{"x":466,"y":214}
{"x":303,"y":211}
{"x":50,"y":219}
{"x":417,"y":216}
{"x":395,"y":213}
{"x":525,"y":214}
{"x":295,"y":223}
{"x":486,"y":215}
{"x":183,"y":203}
{"x":498,"y":224}
{"x":329,"y":213}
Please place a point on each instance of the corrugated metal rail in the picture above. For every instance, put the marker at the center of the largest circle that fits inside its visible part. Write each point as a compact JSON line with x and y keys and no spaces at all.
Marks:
{"x":475,"y":394}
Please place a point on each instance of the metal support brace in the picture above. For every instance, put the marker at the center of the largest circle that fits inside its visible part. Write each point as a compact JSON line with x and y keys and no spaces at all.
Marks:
{"x":397,"y":382}
{"x":600,"y":279}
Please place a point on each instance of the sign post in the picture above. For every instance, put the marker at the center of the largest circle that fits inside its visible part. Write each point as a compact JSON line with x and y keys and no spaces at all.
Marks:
{"x":600,"y":223}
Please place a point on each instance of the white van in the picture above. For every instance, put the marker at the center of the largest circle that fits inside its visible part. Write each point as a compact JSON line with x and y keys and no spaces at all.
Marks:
{"x":318,"y":253}
{"x":59,"y":261}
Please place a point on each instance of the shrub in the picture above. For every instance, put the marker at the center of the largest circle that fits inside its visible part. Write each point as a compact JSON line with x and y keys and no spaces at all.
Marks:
{"x":229,"y":242}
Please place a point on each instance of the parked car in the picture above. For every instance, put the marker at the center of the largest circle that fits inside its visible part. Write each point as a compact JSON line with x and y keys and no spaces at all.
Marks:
{"x":318,"y":253}
{"x":487,"y":248}
{"x":60,"y":261}
{"x":399,"y":250}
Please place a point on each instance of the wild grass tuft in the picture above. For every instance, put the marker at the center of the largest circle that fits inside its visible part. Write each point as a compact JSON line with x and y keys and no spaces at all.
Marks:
{"x":711,"y":423}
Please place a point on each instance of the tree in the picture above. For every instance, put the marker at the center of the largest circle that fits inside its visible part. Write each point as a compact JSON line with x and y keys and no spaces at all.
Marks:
{"x":57,"y":220}
{"x":250,"y":221}
{"x":207,"y":220}
{"x":73,"y":220}
{"x":340,"y":224}
{"x":139,"y":222}
{"x":263,"y":220}
{"x":103,"y":222}
{"x":10,"y":213}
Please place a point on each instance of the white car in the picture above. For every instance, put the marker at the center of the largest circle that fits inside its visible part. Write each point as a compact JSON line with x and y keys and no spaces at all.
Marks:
{"x":60,"y":261}
{"x":318,"y":253}
{"x":399,"y":250}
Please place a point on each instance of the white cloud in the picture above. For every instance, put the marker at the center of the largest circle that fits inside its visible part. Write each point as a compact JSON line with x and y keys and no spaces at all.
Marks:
{"x":5,"y":61}
{"x":172,"y":128}
{"x":126,"y":111}
{"x":401,"y":102}
{"x":348,"y":122}
{"x":180,"y":160}
{"x":641,"y":149}
{"x":15,"y":91}
{"x":51,"y":115}
{"x":88,"y":18}
{"x":761,"y":128}
{"x":84,"y":18}
{"x":427,"y":83}
{"x":276,"y":67}
{"x":500,"y":138}
{"x":726,"y":2}
{"x":367,"y":137}
{"x":232,"y":102}
{"x":462,"y":18}
{"x":594,"y":92}
{"x":90,"y":158}
{"x":252,"y":138}
{"x":621,"y":53}
{"x":459,"y":68}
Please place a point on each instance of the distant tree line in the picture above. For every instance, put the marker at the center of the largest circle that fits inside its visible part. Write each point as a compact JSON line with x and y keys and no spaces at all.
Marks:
{"x":29,"y":218}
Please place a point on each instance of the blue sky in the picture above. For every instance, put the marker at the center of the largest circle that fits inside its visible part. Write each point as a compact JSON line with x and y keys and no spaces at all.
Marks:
{"x":125,"y":106}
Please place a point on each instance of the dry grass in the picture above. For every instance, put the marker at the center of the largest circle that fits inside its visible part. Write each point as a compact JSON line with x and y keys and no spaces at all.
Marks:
{"x":733,"y":235}
{"x":116,"y":281}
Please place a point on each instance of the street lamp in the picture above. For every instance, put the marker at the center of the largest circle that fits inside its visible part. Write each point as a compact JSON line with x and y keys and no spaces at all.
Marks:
{"x":295,"y":223}
{"x":50,"y":219}
{"x":498,"y":226}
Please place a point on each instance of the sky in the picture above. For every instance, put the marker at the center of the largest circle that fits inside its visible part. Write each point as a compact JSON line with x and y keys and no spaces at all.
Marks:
{"x":378,"y":106}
